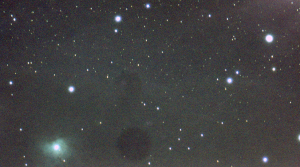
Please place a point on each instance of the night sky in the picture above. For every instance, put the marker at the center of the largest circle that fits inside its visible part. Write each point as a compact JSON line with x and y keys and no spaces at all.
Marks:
{"x":150,"y":83}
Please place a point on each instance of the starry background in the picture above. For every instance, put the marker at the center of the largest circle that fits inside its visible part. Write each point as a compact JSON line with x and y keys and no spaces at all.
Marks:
{"x":199,"y":77}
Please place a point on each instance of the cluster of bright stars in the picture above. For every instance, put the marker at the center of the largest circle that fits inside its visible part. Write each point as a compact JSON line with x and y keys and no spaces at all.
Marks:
{"x":269,"y":38}
{"x":118,"y":18}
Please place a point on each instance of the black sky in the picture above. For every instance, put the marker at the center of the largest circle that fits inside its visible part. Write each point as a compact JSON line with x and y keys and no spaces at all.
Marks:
{"x":156,"y":82}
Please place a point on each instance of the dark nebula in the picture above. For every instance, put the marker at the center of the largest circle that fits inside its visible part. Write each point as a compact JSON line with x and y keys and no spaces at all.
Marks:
{"x":134,"y":144}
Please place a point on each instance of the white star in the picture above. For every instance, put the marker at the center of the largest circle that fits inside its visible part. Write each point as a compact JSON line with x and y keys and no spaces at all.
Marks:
{"x":269,"y":38}
{"x":229,"y":80}
{"x":265,"y":159}
{"x":56,"y":147}
{"x":118,"y":18}
{"x":71,"y":89}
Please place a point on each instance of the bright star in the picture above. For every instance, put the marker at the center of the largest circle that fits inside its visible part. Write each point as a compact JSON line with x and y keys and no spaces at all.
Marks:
{"x":147,"y":5}
{"x":265,"y":159}
{"x":71,"y":89}
{"x":229,"y":80}
{"x":56,"y":147}
{"x":11,"y":82}
{"x":269,"y":38}
{"x":118,"y":18}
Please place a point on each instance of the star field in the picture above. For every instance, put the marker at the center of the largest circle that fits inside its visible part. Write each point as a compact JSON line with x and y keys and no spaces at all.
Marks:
{"x":150,"y":83}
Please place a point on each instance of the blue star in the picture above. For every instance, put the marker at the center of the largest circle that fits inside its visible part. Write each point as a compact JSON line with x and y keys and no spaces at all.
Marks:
{"x":147,"y":5}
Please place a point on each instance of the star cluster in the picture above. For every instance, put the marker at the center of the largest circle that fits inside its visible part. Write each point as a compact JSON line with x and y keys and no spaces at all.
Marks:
{"x":150,"y":83}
